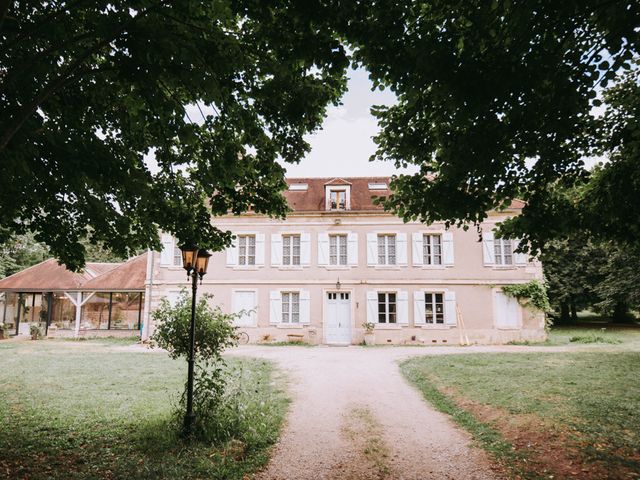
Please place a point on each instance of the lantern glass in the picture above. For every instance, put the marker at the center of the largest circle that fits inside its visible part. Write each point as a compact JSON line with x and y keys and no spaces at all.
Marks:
{"x":189,"y":255}
{"x":202,"y":262}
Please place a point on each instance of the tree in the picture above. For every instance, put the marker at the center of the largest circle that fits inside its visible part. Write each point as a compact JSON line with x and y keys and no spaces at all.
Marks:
{"x":583,"y":273}
{"x":495,"y":102}
{"x":20,"y":252}
{"x":217,"y":90}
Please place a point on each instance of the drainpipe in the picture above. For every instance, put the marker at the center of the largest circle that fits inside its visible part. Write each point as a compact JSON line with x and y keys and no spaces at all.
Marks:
{"x":148,"y":289}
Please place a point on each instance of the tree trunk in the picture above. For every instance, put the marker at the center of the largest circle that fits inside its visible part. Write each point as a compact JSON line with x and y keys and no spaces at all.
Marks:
{"x":620,"y":313}
{"x":564,"y":313}
{"x":574,"y":313}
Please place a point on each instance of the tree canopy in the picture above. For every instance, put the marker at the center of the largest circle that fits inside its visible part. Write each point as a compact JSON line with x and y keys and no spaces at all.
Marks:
{"x":88,"y":90}
{"x":495,"y":102}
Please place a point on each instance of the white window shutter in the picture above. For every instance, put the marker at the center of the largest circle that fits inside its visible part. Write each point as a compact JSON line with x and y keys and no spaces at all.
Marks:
{"x":418,"y":308}
{"x":447,"y":248}
{"x":305,"y":307}
{"x":352,"y":249}
{"x":323,"y":249}
{"x":276,"y":249}
{"x":372,"y":306}
{"x":232,"y":254}
{"x":372,"y":249}
{"x":275,"y":306}
{"x":305,"y":249}
{"x":450,"y":314}
{"x":403,"y":307}
{"x":519,"y":258}
{"x":401,"y":248}
{"x":166,"y":255}
{"x":259,"y":248}
{"x":417,"y":248}
{"x":488,"y":251}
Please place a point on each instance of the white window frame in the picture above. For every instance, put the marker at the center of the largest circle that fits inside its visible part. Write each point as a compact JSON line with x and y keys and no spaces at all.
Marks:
{"x":337,"y":259}
{"x":429,"y":257}
{"x":289,"y":242}
{"x":434,"y":314}
{"x":500,"y":256}
{"x":386,"y":304}
{"x":346,"y":189}
{"x":288,"y":307}
{"x":245,"y":237}
{"x":385,"y":247}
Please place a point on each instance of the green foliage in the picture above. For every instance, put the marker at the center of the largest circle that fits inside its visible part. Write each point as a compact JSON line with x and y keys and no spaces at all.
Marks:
{"x":214,"y":333}
{"x":534,"y":292}
{"x":35,"y":332}
{"x":592,"y":274}
{"x":495,"y":102}
{"x":216,"y":90}
{"x":593,"y":338}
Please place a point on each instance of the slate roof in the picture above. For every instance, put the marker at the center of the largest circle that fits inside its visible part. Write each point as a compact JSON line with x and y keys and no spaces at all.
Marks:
{"x":313,"y":198}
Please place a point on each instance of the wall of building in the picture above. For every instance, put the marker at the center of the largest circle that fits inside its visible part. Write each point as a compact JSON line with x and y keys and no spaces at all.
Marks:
{"x":473,"y":282}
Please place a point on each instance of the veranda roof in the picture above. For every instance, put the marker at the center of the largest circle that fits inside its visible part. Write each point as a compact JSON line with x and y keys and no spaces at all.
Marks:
{"x":49,"y":276}
{"x":127,"y":276}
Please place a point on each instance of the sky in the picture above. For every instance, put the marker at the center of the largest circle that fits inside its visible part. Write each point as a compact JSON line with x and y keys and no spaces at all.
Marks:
{"x":344,"y":145}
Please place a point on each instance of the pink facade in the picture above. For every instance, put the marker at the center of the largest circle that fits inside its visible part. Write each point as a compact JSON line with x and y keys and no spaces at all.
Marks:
{"x":338,"y":261}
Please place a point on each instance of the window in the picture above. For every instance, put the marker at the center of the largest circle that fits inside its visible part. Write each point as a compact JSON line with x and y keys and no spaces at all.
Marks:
{"x":246,"y":250}
{"x":386,"y":308}
{"x":338,"y":199}
{"x":290,"y":307}
{"x":433,"y":308}
{"x":337,"y":249}
{"x":503,"y":251}
{"x":386,"y":249}
{"x":177,"y":256}
{"x":432,"y":249}
{"x":291,"y":249}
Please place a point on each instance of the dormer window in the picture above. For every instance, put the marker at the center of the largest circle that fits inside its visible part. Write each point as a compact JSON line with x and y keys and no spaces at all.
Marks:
{"x":337,"y":193}
{"x":337,"y":199}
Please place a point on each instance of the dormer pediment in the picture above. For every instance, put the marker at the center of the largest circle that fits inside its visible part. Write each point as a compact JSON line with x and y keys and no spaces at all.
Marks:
{"x":337,"y":182}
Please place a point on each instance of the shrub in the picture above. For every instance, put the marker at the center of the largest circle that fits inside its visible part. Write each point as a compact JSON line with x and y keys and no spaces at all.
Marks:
{"x":214,"y":333}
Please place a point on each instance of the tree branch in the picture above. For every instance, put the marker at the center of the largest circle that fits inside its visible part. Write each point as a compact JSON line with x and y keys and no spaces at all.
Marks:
{"x":30,"y":108}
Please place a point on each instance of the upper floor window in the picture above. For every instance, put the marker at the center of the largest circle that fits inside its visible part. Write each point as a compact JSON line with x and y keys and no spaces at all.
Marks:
{"x":177,"y":256}
{"x":337,"y":249}
{"x":246,"y":249}
{"x":503,"y":251}
{"x":433,"y":308}
{"x":432,"y":249}
{"x":291,"y":249}
{"x":387,"y":307}
{"x":386,"y":249}
{"x":337,"y":199}
{"x":290,"y":307}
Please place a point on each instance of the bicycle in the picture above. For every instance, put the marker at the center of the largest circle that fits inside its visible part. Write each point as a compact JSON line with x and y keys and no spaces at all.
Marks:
{"x":243,"y":338}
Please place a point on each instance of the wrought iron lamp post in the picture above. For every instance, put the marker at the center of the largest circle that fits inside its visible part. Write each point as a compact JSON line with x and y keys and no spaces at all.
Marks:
{"x":195,"y":262}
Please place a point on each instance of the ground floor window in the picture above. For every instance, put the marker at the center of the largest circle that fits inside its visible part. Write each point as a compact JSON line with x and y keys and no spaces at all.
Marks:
{"x":290,"y":307}
{"x":387,"y":307}
{"x":434,"y":308}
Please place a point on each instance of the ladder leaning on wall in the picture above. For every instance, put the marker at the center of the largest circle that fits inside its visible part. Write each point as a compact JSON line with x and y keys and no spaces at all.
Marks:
{"x":464,"y":338}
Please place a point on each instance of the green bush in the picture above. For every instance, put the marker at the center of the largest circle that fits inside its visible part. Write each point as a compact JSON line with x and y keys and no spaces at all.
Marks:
{"x":215,"y":409}
{"x":593,"y":338}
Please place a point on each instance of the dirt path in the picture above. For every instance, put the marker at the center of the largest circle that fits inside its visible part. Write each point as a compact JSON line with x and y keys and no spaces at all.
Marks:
{"x":353,"y":416}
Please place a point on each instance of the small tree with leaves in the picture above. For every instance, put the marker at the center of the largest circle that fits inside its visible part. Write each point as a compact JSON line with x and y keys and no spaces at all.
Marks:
{"x":213,"y":334}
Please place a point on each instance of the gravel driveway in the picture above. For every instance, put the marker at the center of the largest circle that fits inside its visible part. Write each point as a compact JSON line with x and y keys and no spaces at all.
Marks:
{"x":353,"y":416}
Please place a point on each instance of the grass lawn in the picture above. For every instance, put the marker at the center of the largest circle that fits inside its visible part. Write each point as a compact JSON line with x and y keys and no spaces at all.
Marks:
{"x":543,"y":415}
{"x":92,"y":409}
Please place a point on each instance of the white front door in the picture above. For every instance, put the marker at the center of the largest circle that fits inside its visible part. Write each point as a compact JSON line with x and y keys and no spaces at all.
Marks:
{"x":337,"y":318}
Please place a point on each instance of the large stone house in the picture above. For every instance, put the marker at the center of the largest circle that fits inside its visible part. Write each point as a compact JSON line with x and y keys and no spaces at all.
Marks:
{"x":339,"y":261}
